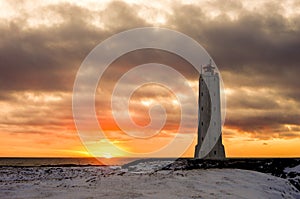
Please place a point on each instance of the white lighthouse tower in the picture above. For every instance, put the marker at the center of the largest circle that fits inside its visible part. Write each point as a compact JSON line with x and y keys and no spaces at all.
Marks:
{"x":209,"y":144}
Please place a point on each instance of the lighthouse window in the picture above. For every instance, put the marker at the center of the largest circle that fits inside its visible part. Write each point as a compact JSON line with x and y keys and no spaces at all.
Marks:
{"x":202,"y":138}
{"x":202,"y":108}
{"x":215,"y":152}
{"x":201,"y":93}
{"x":202,"y":123}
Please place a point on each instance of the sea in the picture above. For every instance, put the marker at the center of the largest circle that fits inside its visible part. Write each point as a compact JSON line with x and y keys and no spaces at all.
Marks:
{"x":90,"y":161}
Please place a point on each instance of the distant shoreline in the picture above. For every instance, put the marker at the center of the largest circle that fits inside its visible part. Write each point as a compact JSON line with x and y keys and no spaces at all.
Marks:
{"x":90,"y":161}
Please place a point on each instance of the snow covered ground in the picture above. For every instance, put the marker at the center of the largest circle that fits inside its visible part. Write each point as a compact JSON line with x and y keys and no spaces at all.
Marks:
{"x":140,"y":182}
{"x":295,"y":169}
{"x":293,"y":175}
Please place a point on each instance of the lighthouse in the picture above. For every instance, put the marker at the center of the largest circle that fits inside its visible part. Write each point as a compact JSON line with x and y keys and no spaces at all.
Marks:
{"x":209,"y":144}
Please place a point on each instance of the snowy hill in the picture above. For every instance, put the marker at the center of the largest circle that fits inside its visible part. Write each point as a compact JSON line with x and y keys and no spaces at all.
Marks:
{"x":143,"y":180}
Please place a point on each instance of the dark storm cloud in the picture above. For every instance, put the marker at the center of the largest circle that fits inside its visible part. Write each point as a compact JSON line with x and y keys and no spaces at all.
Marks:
{"x":266,"y":44}
{"x":247,"y":101}
{"x":138,"y":57}
{"x":254,"y":50}
{"x":252,"y":35}
{"x":259,"y":121}
{"x":47,"y":58}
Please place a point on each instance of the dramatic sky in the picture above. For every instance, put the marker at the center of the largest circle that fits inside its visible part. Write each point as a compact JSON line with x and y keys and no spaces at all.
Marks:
{"x":255,"y":44}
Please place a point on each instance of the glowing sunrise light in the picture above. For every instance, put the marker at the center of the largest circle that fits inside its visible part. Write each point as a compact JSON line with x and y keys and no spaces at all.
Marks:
{"x":107,"y":155}
{"x":288,"y":127}
{"x":160,"y":20}
{"x":146,"y":102}
{"x":228,"y":91}
{"x":175,"y":102}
